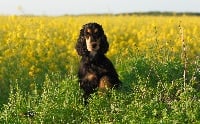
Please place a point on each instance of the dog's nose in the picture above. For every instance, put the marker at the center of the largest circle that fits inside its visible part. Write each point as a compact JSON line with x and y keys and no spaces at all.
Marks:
{"x":94,"y":45}
{"x":92,"y":39}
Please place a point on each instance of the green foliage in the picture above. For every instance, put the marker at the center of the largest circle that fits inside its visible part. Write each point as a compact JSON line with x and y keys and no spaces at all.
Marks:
{"x":150,"y":96}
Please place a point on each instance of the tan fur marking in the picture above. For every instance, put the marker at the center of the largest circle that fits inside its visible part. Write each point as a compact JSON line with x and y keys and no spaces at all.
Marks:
{"x":89,"y":30}
{"x":105,"y":83}
{"x":95,"y":30}
{"x":90,"y":76}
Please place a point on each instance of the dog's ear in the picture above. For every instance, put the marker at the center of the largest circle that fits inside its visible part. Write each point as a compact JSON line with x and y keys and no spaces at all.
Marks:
{"x":81,"y":44}
{"x":104,"y":46}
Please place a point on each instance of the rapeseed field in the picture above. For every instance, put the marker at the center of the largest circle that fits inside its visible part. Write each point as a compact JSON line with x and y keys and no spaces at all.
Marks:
{"x":157,"y":58}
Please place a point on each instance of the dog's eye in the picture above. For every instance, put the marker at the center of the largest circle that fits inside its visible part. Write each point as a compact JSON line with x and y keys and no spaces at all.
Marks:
{"x":87,"y":36}
{"x":96,"y":34}
{"x":87,"y":33}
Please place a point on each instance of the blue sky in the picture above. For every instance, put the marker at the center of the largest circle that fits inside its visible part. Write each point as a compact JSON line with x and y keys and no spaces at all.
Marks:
{"x":61,"y":7}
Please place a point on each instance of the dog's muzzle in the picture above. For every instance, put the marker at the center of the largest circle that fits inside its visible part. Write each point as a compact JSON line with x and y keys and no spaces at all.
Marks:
{"x":91,"y":46}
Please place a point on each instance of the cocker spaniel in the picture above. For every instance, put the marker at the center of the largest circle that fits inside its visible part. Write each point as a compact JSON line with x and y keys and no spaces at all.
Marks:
{"x":96,"y":71}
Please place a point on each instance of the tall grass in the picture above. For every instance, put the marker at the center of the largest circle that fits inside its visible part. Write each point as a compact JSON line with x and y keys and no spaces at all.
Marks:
{"x":148,"y":95}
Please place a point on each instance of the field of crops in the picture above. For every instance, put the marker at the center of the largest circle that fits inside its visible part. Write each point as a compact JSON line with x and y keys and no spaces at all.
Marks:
{"x":156,"y":57}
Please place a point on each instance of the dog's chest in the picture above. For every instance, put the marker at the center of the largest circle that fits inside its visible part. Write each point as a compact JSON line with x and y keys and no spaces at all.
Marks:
{"x":97,"y":68}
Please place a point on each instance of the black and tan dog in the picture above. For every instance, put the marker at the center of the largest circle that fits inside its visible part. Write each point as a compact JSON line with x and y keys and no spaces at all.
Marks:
{"x":96,"y":71}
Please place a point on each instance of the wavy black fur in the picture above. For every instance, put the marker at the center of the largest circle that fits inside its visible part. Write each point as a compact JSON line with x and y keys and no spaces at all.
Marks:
{"x":93,"y":67}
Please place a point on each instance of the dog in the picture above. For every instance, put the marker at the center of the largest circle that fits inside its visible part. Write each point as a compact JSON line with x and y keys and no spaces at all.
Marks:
{"x":96,"y":71}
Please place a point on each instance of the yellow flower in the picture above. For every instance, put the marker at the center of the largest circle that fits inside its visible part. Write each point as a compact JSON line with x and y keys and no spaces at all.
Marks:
{"x":31,"y":73}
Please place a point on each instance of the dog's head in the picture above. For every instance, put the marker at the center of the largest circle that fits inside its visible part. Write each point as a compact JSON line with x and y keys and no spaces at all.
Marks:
{"x":92,"y":40}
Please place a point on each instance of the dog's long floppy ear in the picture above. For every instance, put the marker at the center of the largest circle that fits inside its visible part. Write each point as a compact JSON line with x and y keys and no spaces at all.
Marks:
{"x":104,"y":46}
{"x":81,"y":44}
